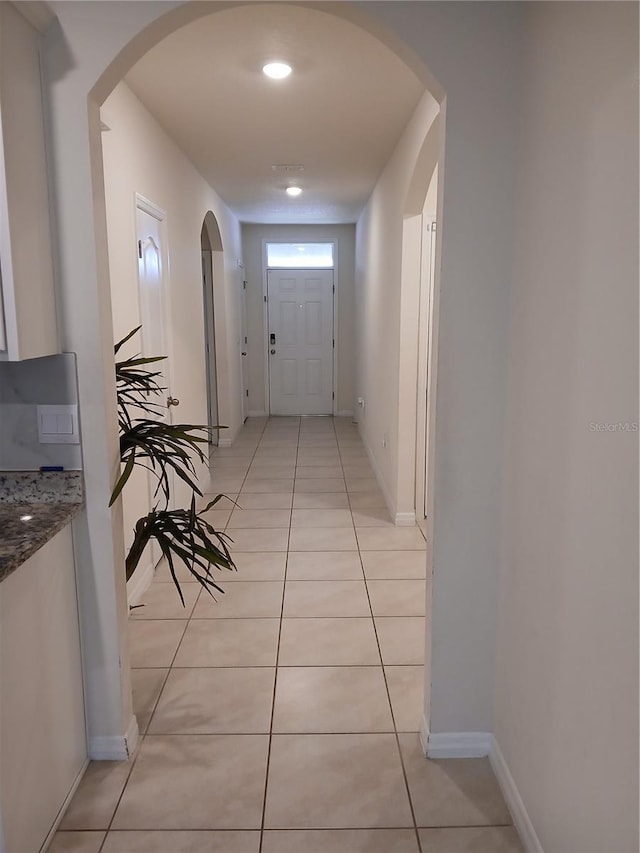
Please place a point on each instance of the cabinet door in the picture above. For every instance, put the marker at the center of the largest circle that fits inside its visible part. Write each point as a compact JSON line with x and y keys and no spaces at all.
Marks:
{"x":42,"y":724}
{"x":25,"y":237}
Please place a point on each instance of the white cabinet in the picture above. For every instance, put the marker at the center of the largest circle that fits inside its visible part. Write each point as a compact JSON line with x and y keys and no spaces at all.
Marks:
{"x":29,"y":325}
{"x":42,"y":725}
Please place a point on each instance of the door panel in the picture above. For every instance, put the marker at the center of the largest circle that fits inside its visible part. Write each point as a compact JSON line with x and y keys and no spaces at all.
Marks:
{"x":313,"y":377}
{"x":154,"y":341}
{"x":300,"y":307}
{"x":313,"y":324}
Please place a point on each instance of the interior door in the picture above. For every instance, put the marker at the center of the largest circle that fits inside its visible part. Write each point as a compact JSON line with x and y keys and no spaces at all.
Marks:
{"x":152,"y":316}
{"x":300,"y":341}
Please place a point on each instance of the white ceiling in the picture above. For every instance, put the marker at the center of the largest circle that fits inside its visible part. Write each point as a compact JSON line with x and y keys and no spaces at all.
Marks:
{"x":339,"y":114}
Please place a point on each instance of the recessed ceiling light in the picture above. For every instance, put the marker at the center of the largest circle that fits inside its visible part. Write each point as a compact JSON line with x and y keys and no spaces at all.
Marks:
{"x":276,"y":70}
{"x":26,"y":517}
{"x":293,"y":191}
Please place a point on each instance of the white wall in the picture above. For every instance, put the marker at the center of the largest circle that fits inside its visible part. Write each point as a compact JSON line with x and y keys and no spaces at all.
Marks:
{"x":140,"y":157}
{"x":387,"y":312}
{"x":566,"y":702}
{"x":475,"y":223}
{"x":252,"y":241}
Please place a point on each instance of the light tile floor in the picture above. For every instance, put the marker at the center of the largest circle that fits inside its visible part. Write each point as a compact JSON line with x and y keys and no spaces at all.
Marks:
{"x":283,"y":717}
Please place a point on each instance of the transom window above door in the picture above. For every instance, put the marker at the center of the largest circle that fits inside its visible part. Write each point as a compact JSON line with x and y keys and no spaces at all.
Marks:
{"x":300,"y":255}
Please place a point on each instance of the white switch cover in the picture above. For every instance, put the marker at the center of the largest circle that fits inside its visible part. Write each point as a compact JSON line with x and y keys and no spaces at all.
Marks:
{"x":58,"y":425}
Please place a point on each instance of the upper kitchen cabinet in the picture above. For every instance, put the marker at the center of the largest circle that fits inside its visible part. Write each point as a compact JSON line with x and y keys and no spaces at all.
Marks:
{"x":28,"y":328}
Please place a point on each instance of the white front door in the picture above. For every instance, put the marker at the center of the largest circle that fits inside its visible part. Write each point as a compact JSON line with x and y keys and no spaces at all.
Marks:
{"x":300,"y":341}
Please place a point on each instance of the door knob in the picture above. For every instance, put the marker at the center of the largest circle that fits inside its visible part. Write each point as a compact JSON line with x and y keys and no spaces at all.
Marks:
{"x":172,"y":401}
{"x":243,"y":353}
{"x":273,"y":352}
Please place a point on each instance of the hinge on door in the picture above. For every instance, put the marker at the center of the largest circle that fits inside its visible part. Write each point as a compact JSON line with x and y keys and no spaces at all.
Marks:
{"x":333,"y":395}
{"x":334,"y":343}
{"x":245,"y":340}
{"x":244,"y":285}
{"x":433,"y":226}
{"x":247,"y":392}
{"x":334,"y":288}
{"x":140,"y":249}
{"x":265,"y":299}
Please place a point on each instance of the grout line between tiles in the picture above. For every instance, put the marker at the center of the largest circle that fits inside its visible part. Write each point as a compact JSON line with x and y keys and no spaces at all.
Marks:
{"x":143,"y":736}
{"x":386,"y":684}
{"x":275,"y":679}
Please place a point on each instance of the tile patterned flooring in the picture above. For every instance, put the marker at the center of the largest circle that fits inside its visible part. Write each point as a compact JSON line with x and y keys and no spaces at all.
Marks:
{"x":283,"y":717}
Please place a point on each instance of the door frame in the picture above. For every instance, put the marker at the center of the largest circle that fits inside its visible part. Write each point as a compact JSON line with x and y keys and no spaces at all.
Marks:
{"x":157,"y":212}
{"x":425,"y":323}
{"x":211,"y":356}
{"x":265,"y":314}
{"x":244,"y":343}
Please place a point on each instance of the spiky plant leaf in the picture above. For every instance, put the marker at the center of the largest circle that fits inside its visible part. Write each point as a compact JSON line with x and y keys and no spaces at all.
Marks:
{"x":164,"y":448}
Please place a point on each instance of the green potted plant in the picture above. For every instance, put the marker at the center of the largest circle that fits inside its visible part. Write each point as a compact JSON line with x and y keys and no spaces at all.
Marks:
{"x":161,"y":447}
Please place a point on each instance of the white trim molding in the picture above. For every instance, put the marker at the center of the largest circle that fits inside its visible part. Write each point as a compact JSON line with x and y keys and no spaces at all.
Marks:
{"x":481,"y":745}
{"x":63,"y":809}
{"x":515,"y":803}
{"x":225,"y":442}
{"x":139,"y":583}
{"x":456,"y":744}
{"x":116,"y":747}
{"x":423,"y":734}
{"x":405,"y":519}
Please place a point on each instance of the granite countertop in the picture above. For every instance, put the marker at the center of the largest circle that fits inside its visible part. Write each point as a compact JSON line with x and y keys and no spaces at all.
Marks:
{"x":34,"y":506}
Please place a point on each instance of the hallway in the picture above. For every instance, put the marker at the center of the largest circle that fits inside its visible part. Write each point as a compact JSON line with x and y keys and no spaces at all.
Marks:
{"x":283,"y":717}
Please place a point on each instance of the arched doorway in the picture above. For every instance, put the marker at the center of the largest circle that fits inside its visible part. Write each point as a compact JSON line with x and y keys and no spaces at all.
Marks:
{"x":212,"y":268}
{"x":124,"y":59}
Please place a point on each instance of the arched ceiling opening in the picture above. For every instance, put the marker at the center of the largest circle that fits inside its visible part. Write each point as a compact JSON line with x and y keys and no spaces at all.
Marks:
{"x":338,"y":116}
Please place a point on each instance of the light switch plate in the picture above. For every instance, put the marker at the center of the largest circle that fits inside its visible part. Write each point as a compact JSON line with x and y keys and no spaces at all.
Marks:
{"x":58,"y":425}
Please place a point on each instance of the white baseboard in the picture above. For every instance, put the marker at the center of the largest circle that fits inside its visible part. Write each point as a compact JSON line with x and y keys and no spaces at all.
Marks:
{"x":480,"y":745}
{"x":116,"y":747}
{"x":457,"y":744}
{"x":256,"y":414}
{"x":139,"y":583}
{"x":63,"y":807}
{"x":390,"y":502}
{"x":345,"y":413}
{"x":405,"y":519}
{"x":225,"y":442}
{"x":521,"y":819}
{"x":423,"y":734}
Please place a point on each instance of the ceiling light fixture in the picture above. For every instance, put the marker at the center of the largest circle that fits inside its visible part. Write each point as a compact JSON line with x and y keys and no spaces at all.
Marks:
{"x":276,"y":70}
{"x":293,"y":191}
